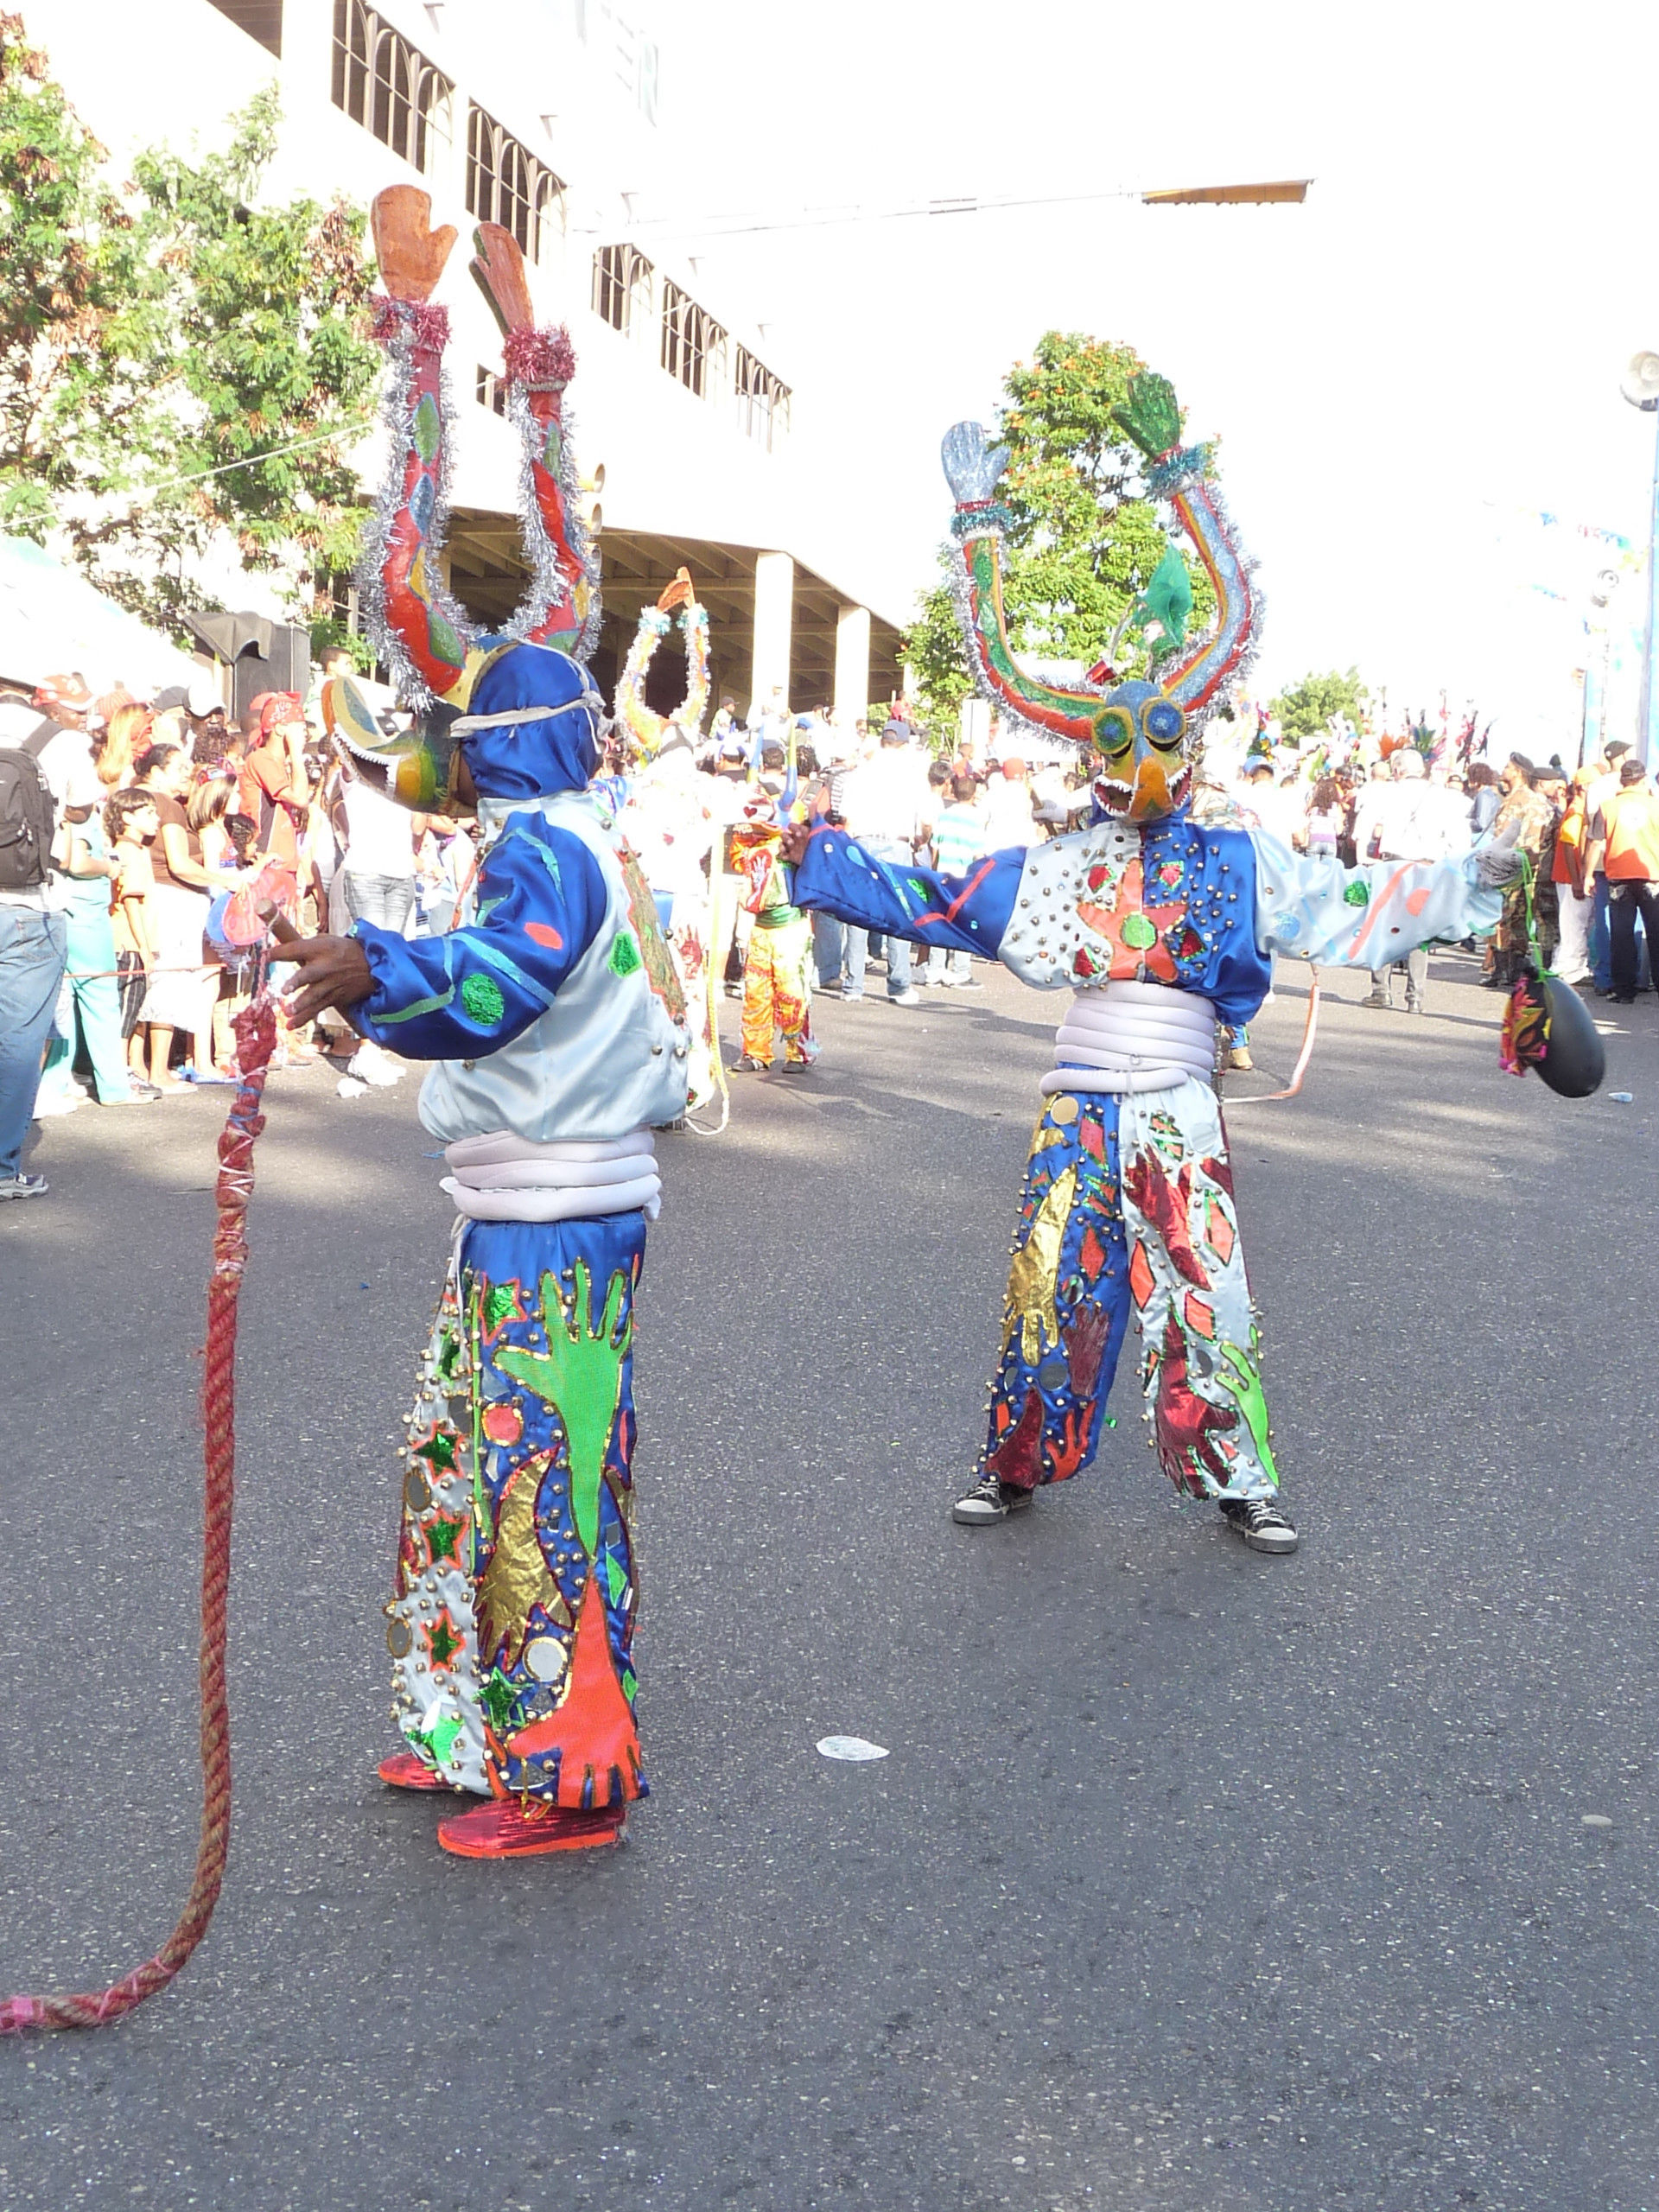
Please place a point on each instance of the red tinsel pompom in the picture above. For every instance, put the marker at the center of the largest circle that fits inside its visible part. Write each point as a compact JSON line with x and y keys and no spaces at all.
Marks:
{"x":541,"y":356}
{"x":425,"y":323}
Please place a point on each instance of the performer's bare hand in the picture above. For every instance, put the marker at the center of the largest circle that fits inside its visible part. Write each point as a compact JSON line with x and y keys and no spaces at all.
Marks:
{"x":1498,"y":863}
{"x":335,"y":972}
{"x":793,"y":848}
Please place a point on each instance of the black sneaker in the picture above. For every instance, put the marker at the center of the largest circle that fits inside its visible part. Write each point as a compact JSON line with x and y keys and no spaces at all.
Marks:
{"x":1261,"y":1525}
{"x":989,"y":1500}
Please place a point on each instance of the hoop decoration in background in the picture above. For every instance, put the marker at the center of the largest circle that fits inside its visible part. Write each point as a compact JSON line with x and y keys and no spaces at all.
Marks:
{"x":645,"y":728}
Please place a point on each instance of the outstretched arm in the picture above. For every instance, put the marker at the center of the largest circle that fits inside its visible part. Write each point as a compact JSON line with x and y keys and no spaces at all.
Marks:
{"x":541,"y":903}
{"x":1370,"y":915}
{"x":561,"y":607}
{"x":418,"y":629}
{"x":965,"y":913}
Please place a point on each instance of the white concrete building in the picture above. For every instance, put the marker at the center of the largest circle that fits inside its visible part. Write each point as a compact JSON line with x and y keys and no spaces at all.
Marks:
{"x":549,"y":117}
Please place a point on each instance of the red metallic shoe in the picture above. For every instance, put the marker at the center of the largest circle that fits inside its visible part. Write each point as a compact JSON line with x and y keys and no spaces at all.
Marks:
{"x":502,"y":1830}
{"x":407,"y":1771}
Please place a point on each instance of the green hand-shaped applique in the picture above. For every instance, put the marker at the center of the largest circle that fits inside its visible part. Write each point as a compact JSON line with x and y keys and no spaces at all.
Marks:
{"x":1242,"y":1378}
{"x":1151,"y":416}
{"x":580,"y":1375}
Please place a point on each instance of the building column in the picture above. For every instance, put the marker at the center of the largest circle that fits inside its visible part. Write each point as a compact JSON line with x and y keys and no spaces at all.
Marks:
{"x":851,"y":665}
{"x":774,"y":613}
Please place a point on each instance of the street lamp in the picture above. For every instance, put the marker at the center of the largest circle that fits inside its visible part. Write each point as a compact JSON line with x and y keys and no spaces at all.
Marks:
{"x":1594,"y":732}
{"x":1640,"y":385}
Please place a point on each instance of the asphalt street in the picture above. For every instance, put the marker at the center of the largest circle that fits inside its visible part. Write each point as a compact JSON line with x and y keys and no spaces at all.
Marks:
{"x":1193,"y":1881}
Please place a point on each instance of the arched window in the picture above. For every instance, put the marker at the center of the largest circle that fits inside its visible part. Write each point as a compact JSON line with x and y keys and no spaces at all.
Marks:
{"x":762,"y":400}
{"x":506,"y":184}
{"x":388,"y":87}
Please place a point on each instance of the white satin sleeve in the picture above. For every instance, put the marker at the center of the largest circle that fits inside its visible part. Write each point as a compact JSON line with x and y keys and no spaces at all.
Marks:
{"x":1363,"y":917}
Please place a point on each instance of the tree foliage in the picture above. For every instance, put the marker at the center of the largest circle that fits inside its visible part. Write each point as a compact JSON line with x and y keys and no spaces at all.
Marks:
{"x":1084,"y":541}
{"x":160,"y":336}
{"x":1306,"y":710}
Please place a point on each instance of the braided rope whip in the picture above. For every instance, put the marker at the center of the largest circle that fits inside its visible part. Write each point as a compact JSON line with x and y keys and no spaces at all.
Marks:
{"x":256,"y":1034}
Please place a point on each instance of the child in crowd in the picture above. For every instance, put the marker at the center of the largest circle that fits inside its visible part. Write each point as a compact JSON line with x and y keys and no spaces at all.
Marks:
{"x":131,"y":819}
{"x":776,"y":995}
{"x":958,"y":839}
{"x":1326,"y":819}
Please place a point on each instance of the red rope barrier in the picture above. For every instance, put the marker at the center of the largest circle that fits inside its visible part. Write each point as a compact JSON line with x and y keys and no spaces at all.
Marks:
{"x":256,"y":1033}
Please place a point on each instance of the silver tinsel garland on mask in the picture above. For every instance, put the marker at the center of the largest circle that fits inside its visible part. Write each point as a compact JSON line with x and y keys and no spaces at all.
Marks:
{"x":547,"y":580}
{"x":401,"y":325}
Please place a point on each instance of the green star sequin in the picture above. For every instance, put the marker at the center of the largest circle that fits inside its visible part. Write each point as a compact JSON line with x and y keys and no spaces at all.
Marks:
{"x":438,"y":1451}
{"x":442,"y":1535}
{"x":442,"y":1641}
{"x":501,"y":1700}
{"x":500,"y":1303}
{"x":1357,"y":894}
{"x":449,"y":1352}
{"x":625,"y":955}
{"x":439,"y":1739}
{"x":482,"y":996}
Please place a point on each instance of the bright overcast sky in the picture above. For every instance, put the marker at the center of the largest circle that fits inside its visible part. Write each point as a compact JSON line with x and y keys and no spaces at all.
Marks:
{"x":1398,"y":370}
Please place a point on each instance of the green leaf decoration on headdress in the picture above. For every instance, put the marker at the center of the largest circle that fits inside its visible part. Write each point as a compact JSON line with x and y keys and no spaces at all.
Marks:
{"x":1153,"y":418}
{"x":1167,"y":601}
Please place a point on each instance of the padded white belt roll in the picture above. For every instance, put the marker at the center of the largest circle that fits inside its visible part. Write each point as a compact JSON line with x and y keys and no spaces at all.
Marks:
{"x":1125,"y":1037}
{"x":508,"y":1178}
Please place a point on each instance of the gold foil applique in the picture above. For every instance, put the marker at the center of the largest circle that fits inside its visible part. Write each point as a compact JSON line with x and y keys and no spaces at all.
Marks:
{"x":1034,"y":1280}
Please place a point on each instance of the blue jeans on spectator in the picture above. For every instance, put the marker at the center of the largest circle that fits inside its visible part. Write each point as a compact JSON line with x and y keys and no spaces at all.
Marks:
{"x":897,"y":855}
{"x":33,"y":948}
{"x":1601,"y":950}
{"x":828,"y":946}
{"x":96,"y":1002}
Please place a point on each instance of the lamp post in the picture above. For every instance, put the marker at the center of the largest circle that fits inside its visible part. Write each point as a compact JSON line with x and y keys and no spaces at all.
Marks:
{"x":1640,"y":385}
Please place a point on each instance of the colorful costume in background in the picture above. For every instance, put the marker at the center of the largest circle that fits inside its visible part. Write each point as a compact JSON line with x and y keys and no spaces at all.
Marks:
{"x":777,"y":993}
{"x":1159,"y":928}
{"x":666,"y":820}
{"x":556,"y":1027}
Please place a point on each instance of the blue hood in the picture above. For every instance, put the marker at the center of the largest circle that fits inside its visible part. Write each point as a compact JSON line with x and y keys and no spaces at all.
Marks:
{"x":550,"y":753}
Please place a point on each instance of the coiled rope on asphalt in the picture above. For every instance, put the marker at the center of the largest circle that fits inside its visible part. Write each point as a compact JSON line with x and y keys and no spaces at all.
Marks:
{"x":256,"y":1034}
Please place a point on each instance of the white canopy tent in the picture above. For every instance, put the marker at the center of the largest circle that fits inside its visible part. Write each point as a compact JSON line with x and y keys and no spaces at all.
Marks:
{"x":52,"y":622}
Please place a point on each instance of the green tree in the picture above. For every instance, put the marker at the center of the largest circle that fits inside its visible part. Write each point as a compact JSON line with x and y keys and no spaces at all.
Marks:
{"x":1083,"y":542}
{"x":1304,"y":709}
{"x":160,"y":337}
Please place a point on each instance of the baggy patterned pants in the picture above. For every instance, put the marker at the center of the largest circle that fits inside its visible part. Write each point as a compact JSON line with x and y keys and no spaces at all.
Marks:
{"x":1128,"y":1204}
{"x":775,"y":993}
{"x":510,"y":1627}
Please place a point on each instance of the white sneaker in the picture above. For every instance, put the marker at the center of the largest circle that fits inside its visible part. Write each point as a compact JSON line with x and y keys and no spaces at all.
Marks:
{"x":23,"y":1186}
{"x":904,"y":998}
{"x":62,"y":1102}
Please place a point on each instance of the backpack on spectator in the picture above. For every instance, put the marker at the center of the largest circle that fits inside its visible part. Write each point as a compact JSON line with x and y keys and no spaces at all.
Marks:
{"x":28,"y":819}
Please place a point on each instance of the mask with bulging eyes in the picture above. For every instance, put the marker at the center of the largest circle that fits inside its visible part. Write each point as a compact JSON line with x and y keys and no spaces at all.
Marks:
{"x":1140,"y":768}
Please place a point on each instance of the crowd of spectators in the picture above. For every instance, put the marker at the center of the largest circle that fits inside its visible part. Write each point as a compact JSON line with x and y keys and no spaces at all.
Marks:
{"x":120,"y":981}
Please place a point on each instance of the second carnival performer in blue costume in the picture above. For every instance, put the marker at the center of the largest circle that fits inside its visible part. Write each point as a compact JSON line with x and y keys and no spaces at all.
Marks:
{"x":1160,"y":929}
{"x":557,"y":1032}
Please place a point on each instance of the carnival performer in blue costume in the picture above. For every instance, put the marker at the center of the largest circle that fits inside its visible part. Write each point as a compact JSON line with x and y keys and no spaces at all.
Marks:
{"x":557,"y":1034}
{"x":1160,"y":929}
